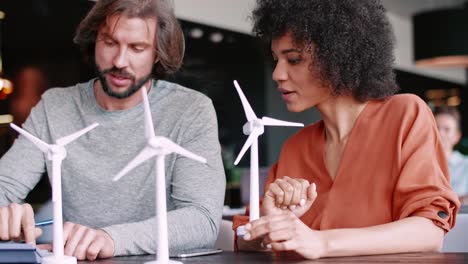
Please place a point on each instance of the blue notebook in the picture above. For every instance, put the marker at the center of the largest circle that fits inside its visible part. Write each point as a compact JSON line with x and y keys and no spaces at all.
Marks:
{"x":18,"y":253}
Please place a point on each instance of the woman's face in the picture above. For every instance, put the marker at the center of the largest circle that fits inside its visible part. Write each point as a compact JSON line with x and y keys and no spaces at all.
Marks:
{"x":297,"y":76}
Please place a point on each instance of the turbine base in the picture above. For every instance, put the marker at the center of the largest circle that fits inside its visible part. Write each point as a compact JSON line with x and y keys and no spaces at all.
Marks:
{"x":240,"y":231}
{"x":58,"y":260}
{"x":170,"y":261}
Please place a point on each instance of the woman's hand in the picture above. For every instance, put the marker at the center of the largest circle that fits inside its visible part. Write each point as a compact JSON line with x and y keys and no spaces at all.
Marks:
{"x":287,"y":194}
{"x":286,"y":232}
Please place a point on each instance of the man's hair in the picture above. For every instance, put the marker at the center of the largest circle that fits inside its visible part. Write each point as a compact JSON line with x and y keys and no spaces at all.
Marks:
{"x":451,"y":111}
{"x":351,"y":41}
{"x":169,"y":39}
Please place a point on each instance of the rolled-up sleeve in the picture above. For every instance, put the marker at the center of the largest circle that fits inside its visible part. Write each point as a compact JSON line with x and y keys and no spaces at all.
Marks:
{"x":423,"y":188}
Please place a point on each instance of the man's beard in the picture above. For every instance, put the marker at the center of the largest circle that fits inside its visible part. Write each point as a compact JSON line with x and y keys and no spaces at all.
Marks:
{"x":134,"y":86}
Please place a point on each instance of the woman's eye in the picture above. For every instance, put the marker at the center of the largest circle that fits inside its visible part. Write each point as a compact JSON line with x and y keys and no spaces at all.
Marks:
{"x":294,"y":61}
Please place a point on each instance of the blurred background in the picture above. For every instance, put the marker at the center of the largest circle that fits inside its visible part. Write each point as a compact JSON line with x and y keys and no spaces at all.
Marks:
{"x":37,"y":52}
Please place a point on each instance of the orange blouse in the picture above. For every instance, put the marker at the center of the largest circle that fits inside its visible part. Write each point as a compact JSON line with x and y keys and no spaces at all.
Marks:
{"x":392,"y":167}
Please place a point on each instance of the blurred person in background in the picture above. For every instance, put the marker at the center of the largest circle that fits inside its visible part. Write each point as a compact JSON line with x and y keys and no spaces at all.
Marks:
{"x":448,"y":122}
{"x":30,"y":83}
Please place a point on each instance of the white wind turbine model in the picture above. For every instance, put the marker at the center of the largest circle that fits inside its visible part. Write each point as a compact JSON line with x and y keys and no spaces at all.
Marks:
{"x":56,"y":153}
{"x":254,"y":128}
{"x":158,"y":147}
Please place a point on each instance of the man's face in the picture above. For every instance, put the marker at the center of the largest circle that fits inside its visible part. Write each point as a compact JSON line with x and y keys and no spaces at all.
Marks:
{"x":448,"y":130}
{"x":125,"y":54}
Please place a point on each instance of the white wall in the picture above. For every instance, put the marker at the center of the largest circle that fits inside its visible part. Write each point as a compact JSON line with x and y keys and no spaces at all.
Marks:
{"x":233,"y":15}
{"x":228,"y":14}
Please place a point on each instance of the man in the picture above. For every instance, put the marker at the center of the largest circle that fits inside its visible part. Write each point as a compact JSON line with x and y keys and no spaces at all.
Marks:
{"x":448,"y":123}
{"x":131,"y":43}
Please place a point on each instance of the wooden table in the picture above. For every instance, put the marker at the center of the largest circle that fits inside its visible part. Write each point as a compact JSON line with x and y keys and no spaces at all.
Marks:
{"x":257,"y":257}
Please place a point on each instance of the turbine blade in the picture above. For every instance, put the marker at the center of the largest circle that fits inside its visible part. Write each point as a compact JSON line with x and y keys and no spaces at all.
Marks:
{"x":149,"y":128}
{"x":249,"y":113}
{"x":67,"y":139}
{"x":246,"y":146}
{"x":267,"y":121}
{"x":44,"y":147}
{"x":144,"y":155}
{"x":173,"y":147}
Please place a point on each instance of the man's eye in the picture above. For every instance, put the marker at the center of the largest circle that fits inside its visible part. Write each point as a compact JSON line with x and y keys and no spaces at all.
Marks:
{"x":138,"y":49}
{"x":109,"y":42}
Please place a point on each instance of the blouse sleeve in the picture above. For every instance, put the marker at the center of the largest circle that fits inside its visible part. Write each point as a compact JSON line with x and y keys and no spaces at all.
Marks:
{"x":423,"y":187}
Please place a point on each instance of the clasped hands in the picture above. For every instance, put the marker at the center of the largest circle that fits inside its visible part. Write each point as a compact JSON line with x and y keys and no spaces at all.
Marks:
{"x":17,"y":223}
{"x":280,"y":228}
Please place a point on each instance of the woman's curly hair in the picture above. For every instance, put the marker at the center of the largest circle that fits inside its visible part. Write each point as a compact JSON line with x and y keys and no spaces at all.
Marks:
{"x":352,"y":41}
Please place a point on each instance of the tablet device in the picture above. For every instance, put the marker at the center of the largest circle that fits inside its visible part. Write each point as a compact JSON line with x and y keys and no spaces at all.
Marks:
{"x":196,"y":252}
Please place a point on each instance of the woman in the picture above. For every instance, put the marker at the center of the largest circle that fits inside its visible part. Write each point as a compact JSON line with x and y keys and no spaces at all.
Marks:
{"x":371,"y":176}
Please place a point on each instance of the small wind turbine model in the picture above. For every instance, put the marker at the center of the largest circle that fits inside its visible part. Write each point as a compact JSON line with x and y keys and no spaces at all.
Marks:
{"x":158,"y":147}
{"x":56,"y":153}
{"x":254,"y":128}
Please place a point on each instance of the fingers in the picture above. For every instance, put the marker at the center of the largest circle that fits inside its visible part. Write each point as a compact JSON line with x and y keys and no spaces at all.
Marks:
{"x":67,"y":229}
{"x":305,"y":185}
{"x":74,"y":235}
{"x":47,"y":247}
{"x":276,"y":192}
{"x":286,"y":245}
{"x":311,"y":194}
{"x":268,"y":224}
{"x":288,"y":192}
{"x":4,"y":223}
{"x":14,"y":221}
{"x":38,"y":232}
{"x":27,"y":223}
{"x":95,"y":248}
{"x":82,"y":249}
{"x":300,"y":192}
{"x":299,"y":186}
{"x":17,"y":222}
{"x":86,"y":243}
{"x":280,"y":233}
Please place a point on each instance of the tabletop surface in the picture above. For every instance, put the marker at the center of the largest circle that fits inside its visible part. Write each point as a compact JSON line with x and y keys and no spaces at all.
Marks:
{"x":258,"y":257}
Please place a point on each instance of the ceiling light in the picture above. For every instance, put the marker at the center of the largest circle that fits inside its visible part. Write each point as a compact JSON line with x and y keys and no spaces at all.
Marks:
{"x":216,"y":37}
{"x":196,"y":33}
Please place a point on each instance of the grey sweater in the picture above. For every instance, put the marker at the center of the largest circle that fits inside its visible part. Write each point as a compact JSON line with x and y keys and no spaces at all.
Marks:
{"x":125,"y":209}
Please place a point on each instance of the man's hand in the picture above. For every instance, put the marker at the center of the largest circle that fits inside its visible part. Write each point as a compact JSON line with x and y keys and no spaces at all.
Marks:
{"x":17,"y":223}
{"x":86,"y":243}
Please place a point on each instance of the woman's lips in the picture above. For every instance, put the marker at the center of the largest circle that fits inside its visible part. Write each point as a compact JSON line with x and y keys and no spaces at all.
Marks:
{"x":286,"y":94}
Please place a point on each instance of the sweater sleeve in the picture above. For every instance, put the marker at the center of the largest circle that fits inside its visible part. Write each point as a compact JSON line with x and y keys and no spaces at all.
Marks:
{"x":196,"y":191}
{"x":423,"y":188}
{"x":23,"y":164}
